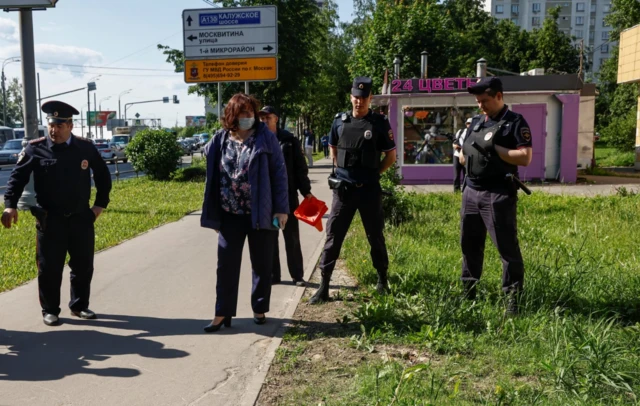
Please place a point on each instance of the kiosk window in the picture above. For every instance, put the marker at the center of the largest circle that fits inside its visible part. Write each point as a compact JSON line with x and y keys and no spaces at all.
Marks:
{"x":428,"y":133}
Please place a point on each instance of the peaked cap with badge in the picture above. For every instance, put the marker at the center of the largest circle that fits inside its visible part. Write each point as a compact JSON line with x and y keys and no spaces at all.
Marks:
{"x":485,"y":84}
{"x":361,"y":86}
{"x":59,"y":112}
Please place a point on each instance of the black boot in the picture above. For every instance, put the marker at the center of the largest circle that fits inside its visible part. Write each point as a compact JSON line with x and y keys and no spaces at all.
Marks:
{"x":513,"y":303}
{"x":470,"y":290}
{"x":383,"y":284}
{"x":322,"y":294}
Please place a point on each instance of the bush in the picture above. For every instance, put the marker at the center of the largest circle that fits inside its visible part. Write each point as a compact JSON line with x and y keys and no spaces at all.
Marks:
{"x":395,"y":201}
{"x":155,"y":152}
{"x":197,"y":172}
{"x":621,"y":132}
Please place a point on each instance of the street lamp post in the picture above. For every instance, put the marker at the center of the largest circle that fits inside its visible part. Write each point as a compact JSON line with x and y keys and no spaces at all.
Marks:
{"x":4,"y":90}
{"x":95,"y":114}
{"x":91,"y":86}
{"x":119,"y":96}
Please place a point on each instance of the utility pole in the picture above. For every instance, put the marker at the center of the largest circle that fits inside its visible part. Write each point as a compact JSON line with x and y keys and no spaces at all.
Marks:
{"x":95,"y":117}
{"x":39,"y":100}
{"x":28,"y":198}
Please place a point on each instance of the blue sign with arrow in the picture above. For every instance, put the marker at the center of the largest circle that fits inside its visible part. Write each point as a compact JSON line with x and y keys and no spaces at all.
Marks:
{"x":229,"y":18}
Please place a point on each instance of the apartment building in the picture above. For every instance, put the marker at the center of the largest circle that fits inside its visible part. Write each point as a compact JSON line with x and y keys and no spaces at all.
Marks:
{"x":582,"y":19}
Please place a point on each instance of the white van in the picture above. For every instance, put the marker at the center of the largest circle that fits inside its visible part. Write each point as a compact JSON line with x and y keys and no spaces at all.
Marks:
{"x":43,"y":131}
{"x":6,"y":134}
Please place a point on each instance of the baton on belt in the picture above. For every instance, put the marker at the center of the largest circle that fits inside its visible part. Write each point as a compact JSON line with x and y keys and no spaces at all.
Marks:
{"x":500,"y":164}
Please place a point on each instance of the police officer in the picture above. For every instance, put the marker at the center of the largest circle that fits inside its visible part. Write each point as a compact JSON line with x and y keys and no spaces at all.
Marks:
{"x":298,"y":176}
{"x":358,"y":141}
{"x":61,"y":165}
{"x":490,"y":197}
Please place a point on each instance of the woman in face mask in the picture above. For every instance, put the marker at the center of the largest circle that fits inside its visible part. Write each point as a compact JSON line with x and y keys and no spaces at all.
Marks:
{"x":245,"y":197}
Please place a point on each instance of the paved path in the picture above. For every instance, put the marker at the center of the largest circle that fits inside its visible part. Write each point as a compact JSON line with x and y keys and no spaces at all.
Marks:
{"x":153,"y":295}
{"x":595,"y":185}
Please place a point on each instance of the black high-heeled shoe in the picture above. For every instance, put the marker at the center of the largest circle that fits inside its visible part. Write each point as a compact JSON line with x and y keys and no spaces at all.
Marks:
{"x":259,"y":320}
{"x":212,"y":328}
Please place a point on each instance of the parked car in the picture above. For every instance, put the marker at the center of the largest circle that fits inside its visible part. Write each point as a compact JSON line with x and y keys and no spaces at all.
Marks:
{"x":112,"y":152}
{"x":9,"y":152}
{"x":6,"y":134}
{"x":184,"y":146}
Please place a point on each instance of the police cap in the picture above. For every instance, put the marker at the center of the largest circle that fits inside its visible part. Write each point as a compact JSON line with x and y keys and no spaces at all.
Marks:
{"x":361,"y":86}
{"x":485,"y":84}
{"x":268,"y":110}
{"x":58,"y":112}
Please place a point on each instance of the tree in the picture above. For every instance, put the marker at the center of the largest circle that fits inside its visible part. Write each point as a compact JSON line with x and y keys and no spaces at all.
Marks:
{"x":456,"y":33}
{"x":554,"y":50}
{"x":615,"y":115}
{"x":14,"y":104}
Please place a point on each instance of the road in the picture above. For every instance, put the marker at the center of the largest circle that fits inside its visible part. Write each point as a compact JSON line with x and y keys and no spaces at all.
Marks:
{"x":6,"y":172}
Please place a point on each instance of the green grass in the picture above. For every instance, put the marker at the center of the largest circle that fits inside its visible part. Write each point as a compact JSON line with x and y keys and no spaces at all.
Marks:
{"x":137,"y":205}
{"x":318,"y":156}
{"x":577,"y":340}
{"x":607,"y":156}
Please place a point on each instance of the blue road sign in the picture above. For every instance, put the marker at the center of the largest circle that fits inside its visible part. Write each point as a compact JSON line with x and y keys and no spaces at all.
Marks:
{"x":229,"y":18}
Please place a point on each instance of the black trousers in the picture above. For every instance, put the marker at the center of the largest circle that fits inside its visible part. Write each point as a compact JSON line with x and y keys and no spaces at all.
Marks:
{"x":325,"y":148}
{"x":368,"y":201}
{"x":56,"y":236}
{"x":291,"y":234}
{"x":495,"y":212}
{"x":234,"y":229}
{"x":458,"y":169}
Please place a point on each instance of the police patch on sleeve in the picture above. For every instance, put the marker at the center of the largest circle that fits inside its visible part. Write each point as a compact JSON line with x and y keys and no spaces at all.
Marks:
{"x":526,"y":133}
{"x":391,"y":135}
{"x":21,"y":155}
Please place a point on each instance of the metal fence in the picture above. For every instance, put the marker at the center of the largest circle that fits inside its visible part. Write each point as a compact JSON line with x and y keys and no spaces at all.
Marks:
{"x":117,"y":173}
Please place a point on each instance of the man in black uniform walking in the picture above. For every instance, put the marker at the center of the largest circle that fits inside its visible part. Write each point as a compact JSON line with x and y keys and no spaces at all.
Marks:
{"x":490,"y":197}
{"x":358,"y":141}
{"x":61,"y":165}
{"x":298,"y":175}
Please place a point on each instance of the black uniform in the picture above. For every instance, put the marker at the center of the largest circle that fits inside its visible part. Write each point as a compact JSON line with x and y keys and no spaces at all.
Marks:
{"x":489,"y":200}
{"x":62,"y":183}
{"x":298,"y":175}
{"x":360,"y":143}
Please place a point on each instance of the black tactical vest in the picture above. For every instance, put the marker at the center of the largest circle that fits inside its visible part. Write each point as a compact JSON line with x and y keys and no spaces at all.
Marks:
{"x":357,"y":143}
{"x":477,"y":166}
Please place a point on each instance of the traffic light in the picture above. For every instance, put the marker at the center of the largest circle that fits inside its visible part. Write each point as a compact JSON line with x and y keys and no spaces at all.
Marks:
{"x":175,"y":99}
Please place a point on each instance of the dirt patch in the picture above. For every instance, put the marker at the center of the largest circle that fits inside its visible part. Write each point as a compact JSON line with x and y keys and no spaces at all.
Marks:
{"x":317,"y":359}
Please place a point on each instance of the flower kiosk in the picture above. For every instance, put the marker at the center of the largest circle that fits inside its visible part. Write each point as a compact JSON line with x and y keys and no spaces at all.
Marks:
{"x":425,"y":114}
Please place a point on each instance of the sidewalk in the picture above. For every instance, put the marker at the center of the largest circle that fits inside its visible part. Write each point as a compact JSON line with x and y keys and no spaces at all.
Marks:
{"x":595,"y":185}
{"x":153,"y":295}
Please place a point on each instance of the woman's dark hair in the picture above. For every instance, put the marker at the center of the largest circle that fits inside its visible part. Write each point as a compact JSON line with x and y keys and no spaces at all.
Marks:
{"x":239,"y":103}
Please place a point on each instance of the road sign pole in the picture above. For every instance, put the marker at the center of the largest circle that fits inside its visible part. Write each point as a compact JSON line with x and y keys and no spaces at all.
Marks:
{"x":88,"y":111}
{"x":28,"y":198}
{"x":219,"y":102}
{"x":246,"y":87}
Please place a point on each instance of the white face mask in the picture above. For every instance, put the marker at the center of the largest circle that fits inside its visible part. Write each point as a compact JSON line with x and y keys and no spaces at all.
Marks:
{"x":246,"y":123}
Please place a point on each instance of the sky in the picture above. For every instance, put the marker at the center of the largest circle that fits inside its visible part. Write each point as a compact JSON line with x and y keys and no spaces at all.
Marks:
{"x":94,"y":34}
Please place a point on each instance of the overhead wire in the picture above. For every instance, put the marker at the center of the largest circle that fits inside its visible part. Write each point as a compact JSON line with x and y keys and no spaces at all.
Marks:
{"x":103,"y":67}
